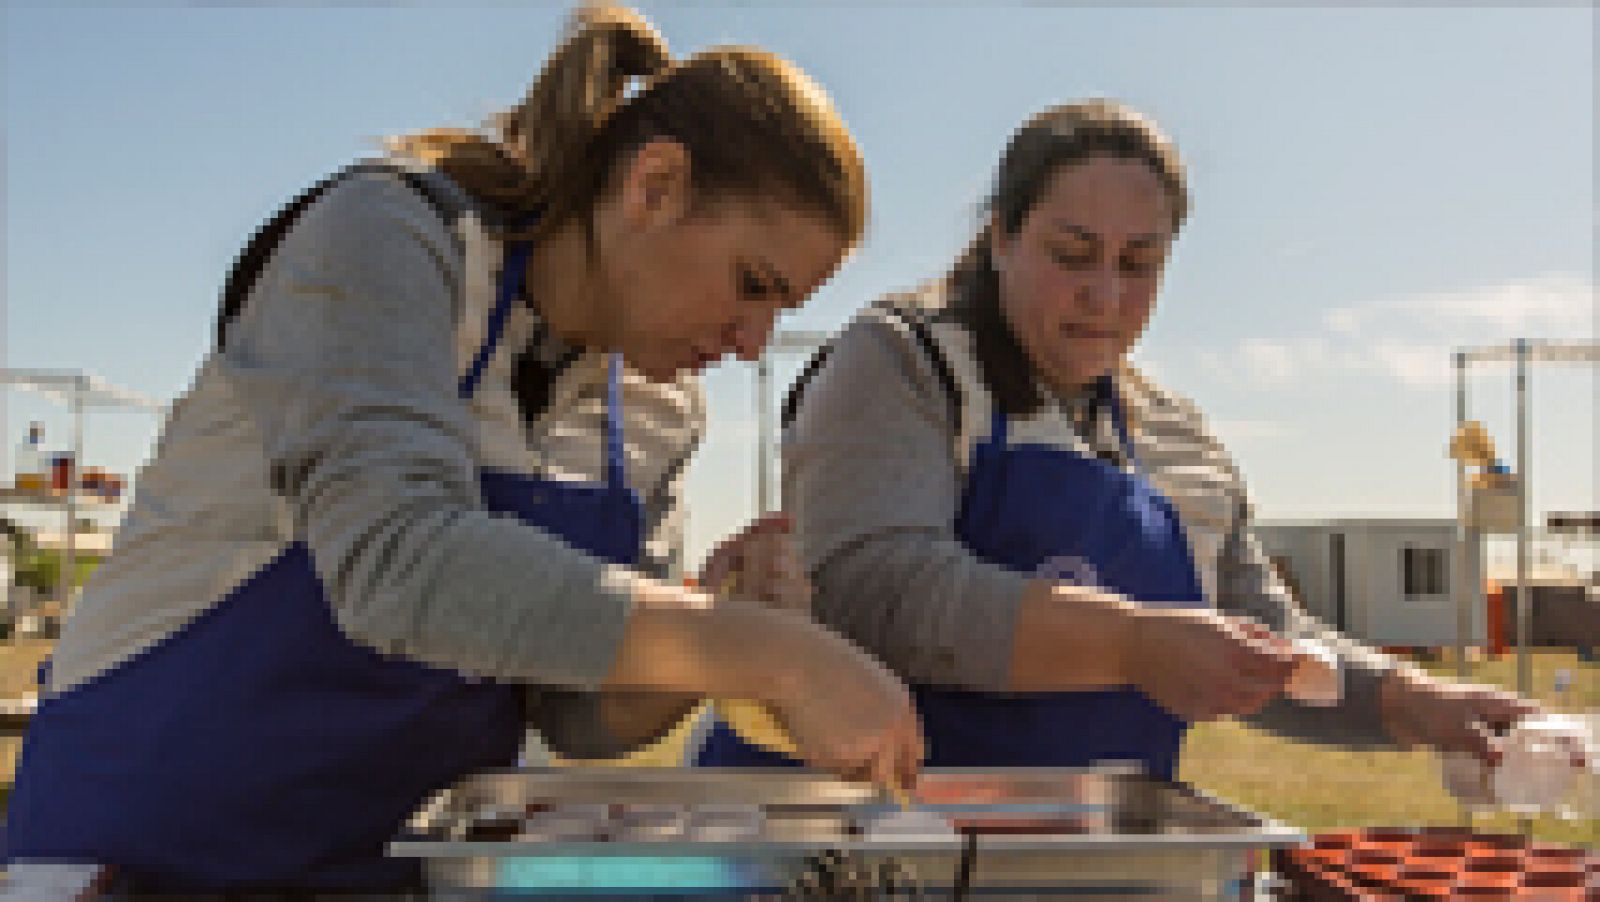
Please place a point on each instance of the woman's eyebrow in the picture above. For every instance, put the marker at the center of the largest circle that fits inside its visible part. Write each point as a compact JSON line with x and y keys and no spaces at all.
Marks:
{"x":1087,"y":235}
{"x":1065,"y":226}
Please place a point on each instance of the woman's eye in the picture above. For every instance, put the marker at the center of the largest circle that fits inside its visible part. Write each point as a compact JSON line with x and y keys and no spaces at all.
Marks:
{"x":751,"y":286}
{"x":1072,"y":260}
{"x":1145,"y":264}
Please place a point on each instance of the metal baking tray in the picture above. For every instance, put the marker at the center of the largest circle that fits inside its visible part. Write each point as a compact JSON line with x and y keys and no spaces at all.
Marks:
{"x":1105,"y":832}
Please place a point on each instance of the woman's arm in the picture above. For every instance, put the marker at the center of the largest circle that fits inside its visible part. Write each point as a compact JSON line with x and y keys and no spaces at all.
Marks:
{"x":871,"y":478}
{"x":1248,"y":586}
{"x":344,"y":362}
{"x":594,"y":725}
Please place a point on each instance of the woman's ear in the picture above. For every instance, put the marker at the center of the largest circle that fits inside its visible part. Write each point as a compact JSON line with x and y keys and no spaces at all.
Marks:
{"x":655,"y":189}
{"x":999,"y":244}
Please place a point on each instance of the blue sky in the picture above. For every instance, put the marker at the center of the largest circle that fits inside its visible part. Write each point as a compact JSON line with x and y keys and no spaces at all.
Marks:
{"x":1372,"y":187}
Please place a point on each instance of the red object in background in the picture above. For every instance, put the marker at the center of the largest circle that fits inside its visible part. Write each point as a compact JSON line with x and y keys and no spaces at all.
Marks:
{"x":1436,"y":863}
{"x":61,"y":472}
{"x":1494,"y":600}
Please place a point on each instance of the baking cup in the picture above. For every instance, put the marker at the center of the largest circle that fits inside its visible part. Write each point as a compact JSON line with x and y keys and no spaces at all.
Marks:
{"x":1547,"y":853}
{"x":1496,"y":864}
{"x":1370,"y":854}
{"x":1336,"y":839}
{"x":1440,"y":858}
{"x":1487,"y":880}
{"x":1504,"y":841}
{"x":1425,"y":888}
{"x":1373,"y":876}
{"x":1570,"y":878}
{"x":1414,"y":870}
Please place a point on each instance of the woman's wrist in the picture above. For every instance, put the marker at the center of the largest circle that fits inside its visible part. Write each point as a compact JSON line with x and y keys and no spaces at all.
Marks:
{"x":1072,"y":637}
{"x":1394,"y":703}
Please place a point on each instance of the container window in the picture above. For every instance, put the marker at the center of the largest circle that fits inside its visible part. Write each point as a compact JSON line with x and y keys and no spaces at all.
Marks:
{"x":1425,"y":572}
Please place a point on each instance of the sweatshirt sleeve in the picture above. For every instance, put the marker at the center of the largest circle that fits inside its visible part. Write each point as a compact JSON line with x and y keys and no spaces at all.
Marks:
{"x":871,"y":478}
{"x":1249,"y":586}
{"x":344,"y":360}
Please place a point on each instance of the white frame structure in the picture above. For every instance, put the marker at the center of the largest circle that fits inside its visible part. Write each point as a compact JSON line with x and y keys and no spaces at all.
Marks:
{"x":78,"y":391}
{"x":784,"y":341}
{"x":1520,"y":353}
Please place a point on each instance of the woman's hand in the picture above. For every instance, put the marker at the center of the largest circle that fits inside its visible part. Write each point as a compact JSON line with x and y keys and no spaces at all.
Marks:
{"x":761,"y":564}
{"x":1451,"y":717}
{"x":1201,"y":665}
{"x":846,"y":712}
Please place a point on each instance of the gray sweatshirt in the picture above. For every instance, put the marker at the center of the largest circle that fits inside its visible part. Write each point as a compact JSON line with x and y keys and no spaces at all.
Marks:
{"x":874,"y":467}
{"x":332,"y":418}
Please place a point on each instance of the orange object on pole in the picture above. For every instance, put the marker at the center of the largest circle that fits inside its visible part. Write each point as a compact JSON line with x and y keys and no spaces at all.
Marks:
{"x":1494,"y":600}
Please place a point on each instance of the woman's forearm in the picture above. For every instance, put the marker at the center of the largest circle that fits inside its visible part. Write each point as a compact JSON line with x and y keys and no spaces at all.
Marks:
{"x":1070,"y":638}
{"x":679,"y":641}
{"x":637,"y":718}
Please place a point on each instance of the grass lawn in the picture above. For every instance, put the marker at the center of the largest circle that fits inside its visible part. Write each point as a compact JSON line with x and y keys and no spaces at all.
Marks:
{"x":1315,"y":787}
{"x":1309,"y":786}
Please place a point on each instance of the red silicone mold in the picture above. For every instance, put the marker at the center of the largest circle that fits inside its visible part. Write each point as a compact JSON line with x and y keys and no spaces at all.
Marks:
{"x":1436,"y":863}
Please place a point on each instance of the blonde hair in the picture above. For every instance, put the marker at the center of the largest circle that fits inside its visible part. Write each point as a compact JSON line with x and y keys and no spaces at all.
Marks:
{"x":754,"y":125}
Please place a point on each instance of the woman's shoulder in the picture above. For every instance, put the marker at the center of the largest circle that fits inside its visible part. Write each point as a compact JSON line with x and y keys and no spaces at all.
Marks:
{"x":371,"y":199}
{"x":1168,"y":419}
{"x":892,"y":344}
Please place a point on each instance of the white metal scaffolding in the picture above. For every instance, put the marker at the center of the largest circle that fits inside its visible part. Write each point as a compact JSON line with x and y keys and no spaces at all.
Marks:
{"x":1520,"y":353}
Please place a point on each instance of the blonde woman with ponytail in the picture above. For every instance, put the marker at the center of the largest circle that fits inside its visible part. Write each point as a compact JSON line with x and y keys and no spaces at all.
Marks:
{"x":408,"y":506}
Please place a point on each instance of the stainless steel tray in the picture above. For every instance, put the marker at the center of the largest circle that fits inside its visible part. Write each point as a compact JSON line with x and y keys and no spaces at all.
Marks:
{"x":1075,"y":833}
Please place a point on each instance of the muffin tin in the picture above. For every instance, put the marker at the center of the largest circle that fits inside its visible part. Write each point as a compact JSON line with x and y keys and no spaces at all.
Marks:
{"x":1436,"y":863}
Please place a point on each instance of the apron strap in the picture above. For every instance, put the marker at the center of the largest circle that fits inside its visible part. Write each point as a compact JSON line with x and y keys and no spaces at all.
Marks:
{"x":616,"y":470}
{"x":510,"y":288}
{"x":512,"y":268}
{"x":1103,"y":398}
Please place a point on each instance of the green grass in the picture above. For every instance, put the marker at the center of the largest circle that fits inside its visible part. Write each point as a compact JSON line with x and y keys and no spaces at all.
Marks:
{"x":1316,"y":788}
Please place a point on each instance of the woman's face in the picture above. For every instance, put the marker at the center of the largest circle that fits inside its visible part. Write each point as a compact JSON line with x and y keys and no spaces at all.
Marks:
{"x":686,"y":284}
{"x":1078,"y":278}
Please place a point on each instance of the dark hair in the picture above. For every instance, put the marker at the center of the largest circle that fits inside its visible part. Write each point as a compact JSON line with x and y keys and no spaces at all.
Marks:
{"x":1059,"y":136}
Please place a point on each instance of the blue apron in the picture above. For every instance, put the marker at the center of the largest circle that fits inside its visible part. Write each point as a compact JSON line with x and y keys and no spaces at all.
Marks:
{"x":1052,"y":512}
{"x":259,"y":746}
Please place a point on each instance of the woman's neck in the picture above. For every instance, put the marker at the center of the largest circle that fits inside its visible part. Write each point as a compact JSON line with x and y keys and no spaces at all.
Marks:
{"x":559,"y":282}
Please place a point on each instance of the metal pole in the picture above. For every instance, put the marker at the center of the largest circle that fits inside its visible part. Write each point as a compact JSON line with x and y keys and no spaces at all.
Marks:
{"x":1465,"y":565}
{"x":764,"y":503}
{"x":1524,"y":591}
{"x":69,"y":563}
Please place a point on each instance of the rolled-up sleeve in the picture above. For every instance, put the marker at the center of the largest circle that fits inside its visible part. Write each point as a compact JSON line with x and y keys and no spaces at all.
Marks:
{"x":871,"y":479}
{"x":344,"y":360}
{"x":1249,"y":586}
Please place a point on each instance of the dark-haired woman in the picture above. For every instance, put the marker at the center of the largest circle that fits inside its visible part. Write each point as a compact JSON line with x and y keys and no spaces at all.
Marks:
{"x":1053,"y":550}
{"x":385,"y":507}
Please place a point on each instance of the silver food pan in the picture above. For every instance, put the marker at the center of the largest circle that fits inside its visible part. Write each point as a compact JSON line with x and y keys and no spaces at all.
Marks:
{"x":1105,"y":832}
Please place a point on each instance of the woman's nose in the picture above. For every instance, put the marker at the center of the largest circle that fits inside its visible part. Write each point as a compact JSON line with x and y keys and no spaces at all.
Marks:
{"x":749,"y":335}
{"x":1100,"y":292}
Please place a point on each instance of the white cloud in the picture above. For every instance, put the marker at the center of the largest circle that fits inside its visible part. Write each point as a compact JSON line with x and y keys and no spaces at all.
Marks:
{"x":1557,"y":305}
{"x":1268,"y":362}
{"x":1410,"y":338}
{"x":1414,"y":364}
{"x":1232,"y":431}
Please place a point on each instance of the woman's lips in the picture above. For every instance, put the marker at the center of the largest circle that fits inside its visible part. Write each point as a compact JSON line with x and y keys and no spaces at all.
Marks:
{"x":1087,"y":332}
